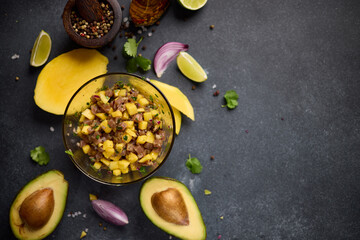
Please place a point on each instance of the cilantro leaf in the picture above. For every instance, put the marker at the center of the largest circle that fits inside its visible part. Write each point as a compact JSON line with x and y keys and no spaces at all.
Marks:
{"x":39,"y":155}
{"x":130,"y":48}
{"x":231,"y":98}
{"x":142,"y":169}
{"x":131,"y":65}
{"x":143,"y":63}
{"x":69,"y":152}
{"x":193,"y":164}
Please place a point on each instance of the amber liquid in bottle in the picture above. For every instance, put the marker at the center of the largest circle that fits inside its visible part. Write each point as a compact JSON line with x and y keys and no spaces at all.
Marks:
{"x":147,"y":12}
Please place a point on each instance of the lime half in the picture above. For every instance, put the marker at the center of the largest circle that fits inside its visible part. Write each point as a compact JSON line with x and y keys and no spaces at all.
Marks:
{"x":192,"y":4}
{"x":190,"y":67}
{"x":41,"y":49}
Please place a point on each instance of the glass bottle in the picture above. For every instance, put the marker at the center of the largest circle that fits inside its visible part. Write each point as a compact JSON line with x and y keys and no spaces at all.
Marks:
{"x":147,"y":12}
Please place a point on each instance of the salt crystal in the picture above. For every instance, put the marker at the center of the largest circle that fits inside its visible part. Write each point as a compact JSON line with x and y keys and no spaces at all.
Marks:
{"x":69,"y":215}
{"x":125,"y":19}
{"x":127,"y":24}
{"x":84,"y":215}
{"x":52,"y":129}
{"x":79,"y":212}
{"x":143,"y":28}
{"x":86,"y":229}
{"x":149,"y":34}
{"x":15,"y":56}
{"x":139,"y":31}
{"x":214,"y":86}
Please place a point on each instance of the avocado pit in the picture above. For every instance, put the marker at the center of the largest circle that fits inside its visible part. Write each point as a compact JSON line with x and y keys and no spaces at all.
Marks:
{"x":36,"y":210}
{"x":170,"y":206}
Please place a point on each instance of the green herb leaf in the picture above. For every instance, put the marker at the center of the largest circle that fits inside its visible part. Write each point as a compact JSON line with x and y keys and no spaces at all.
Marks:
{"x":142,"y":169}
{"x":40,"y":156}
{"x":231,"y":98}
{"x":194,"y":165}
{"x":130,"y":47}
{"x":69,"y":152}
{"x":144,"y":63}
{"x":131,"y":65}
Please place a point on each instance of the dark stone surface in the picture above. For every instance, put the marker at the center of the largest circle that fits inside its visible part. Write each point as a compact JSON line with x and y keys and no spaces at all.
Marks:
{"x":286,"y":159}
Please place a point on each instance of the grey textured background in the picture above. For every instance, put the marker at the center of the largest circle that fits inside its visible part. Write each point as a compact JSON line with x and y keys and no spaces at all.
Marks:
{"x":286,"y":159}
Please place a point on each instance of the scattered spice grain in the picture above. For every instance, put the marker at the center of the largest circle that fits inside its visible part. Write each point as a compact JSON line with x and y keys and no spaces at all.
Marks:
{"x":157,"y":23}
{"x":143,"y":48}
{"x":17,"y":78}
{"x":193,"y":87}
{"x":212,"y":27}
{"x":212,"y":157}
{"x":216,"y":93}
{"x":115,"y":57}
{"x":122,"y":7}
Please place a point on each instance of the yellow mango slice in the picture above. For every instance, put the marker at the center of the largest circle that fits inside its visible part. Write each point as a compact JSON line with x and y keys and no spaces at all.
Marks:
{"x":176,"y":98}
{"x":65,"y":74}
{"x":177,"y":115}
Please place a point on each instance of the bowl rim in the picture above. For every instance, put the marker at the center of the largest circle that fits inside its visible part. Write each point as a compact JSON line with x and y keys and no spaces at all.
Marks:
{"x":173,"y":130}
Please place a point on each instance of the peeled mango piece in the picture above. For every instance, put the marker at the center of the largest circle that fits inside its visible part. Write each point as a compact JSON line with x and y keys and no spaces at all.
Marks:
{"x":64,"y":75}
{"x":177,"y":115}
{"x":176,"y":98}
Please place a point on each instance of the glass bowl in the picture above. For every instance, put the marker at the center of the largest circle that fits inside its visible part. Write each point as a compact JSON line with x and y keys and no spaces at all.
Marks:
{"x":78,"y":103}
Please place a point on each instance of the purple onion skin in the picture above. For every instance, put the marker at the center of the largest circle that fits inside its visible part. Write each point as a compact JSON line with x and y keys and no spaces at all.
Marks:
{"x":165,"y":54}
{"x":109,"y":212}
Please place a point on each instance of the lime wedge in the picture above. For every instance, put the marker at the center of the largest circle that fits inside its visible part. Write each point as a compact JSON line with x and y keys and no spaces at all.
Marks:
{"x":190,"y":67}
{"x":192,"y":4}
{"x":41,"y":49}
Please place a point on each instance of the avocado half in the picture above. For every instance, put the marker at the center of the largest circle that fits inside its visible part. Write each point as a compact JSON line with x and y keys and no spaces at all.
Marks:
{"x":45,"y":197}
{"x":169,"y":205}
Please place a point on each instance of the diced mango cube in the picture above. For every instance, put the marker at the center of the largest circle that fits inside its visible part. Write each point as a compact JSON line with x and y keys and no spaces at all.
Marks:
{"x":122,"y":92}
{"x":116,"y":157}
{"x":125,"y":116}
{"x":105,"y":161}
{"x":86,"y":148}
{"x":97,"y":165}
{"x":132,"y":157}
{"x":116,"y":172}
{"x":119,"y":147}
{"x":147,"y":116}
{"x":131,"y":133}
{"x":113,"y":165}
{"x":143,"y":125}
{"x":85,"y":129}
{"x":105,"y":126}
{"x":103,"y":97}
{"x":150,"y":137}
{"x":88,"y":114}
{"x":125,"y":170}
{"x":143,"y":102}
{"x":154,"y":113}
{"x":108,"y":152}
{"x":139,"y":96}
{"x":146,"y":158}
{"x":102,"y":116}
{"x":116,"y":92}
{"x":108,"y":144}
{"x":117,"y":113}
{"x":141,"y":110}
{"x":82,"y":118}
{"x":141,"y":139}
{"x":131,"y":108}
{"x":123,"y":164}
{"x":129,"y":124}
{"x":133,"y":167}
{"x":154,"y":155}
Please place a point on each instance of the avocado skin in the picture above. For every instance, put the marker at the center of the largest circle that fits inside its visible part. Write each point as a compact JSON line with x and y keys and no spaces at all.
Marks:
{"x":185,"y":193}
{"x":60,"y":188}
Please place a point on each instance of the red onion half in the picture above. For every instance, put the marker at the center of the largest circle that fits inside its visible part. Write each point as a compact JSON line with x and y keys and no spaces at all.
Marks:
{"x":109,"y":212}
{"x":165,"y":54}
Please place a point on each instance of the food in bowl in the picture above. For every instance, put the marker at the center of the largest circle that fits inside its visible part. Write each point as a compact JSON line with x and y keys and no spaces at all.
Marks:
{"x":121,"y":130}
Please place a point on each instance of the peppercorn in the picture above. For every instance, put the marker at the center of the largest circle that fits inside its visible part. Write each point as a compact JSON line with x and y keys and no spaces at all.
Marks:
{"x":193,"y":87}
{"x":216,"y":93}
{"x":212,"y":157}
{"x":17,"y":78}
{"x":212,"y":27}
{"x":143,"y":48}
{"x":122,"y":7}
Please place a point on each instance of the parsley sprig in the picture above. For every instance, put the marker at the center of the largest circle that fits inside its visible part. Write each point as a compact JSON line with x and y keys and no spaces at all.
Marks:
{"x":39,"y":155}
{"x":193,"y":164}
{"x":134,"y":60}
{"x":231,"y":98}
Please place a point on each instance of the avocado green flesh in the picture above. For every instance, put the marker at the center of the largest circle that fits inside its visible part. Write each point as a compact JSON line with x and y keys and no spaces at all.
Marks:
{"x":52,"y":179}
{"x":196,"y":229}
